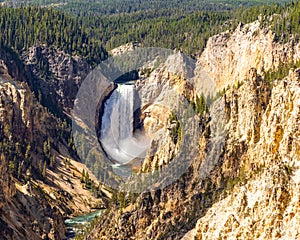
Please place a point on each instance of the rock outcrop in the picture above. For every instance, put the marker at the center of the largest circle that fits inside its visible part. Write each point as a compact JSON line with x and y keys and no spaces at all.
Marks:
{"x":162,"y":94}
{"x":40,"y":183}
{"x":19,"y":115}
{"x":250,"y":190}
{"x":58,"y":76}
{"x":228,"y":56}
{"x":264,"y":202}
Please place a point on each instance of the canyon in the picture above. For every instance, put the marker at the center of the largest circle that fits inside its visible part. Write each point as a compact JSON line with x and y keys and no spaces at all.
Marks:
{"x":251,"y":189}
{"x":238,"y":137}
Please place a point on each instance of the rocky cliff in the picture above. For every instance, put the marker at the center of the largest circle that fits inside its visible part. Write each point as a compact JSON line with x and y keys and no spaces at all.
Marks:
{"x":58,"y":76}
{"x":229,"y":55}
{"x":250,"y":190}
{"x":40,"y":182}
{"x":265,"y":205}
{"x":161,"y":95}
{"x":19,"y":116}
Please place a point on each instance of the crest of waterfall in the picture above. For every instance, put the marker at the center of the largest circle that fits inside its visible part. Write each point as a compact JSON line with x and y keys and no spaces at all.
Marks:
{"x":117,"y":132}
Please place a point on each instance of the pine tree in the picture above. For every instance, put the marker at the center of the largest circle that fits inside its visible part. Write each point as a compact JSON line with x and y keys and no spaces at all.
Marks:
{"x":52,"y":160}
{"x":28,"y":148}
{"x":86,"y":178}
{"x":44,"y":171}
{"x":82,"y":176}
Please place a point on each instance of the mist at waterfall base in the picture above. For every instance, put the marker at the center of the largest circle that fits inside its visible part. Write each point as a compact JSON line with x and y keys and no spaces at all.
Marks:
{"x":119,"y":139}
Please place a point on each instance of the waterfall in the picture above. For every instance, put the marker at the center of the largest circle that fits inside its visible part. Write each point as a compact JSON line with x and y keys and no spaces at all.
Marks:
{"x":116,"y":136}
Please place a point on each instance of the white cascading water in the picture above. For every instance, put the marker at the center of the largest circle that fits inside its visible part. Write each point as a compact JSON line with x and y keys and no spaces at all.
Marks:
{"x":117,"y":136}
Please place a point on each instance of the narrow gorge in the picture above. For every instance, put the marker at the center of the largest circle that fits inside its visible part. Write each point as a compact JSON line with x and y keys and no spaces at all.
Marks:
{"x":255,"y":168}
{"x":121,"y":121}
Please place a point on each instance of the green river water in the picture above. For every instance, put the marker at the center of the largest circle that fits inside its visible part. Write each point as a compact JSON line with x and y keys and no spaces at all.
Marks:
{"x":76,"y":225}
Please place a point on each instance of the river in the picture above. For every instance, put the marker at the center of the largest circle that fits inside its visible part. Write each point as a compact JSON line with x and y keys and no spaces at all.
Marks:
{"x":76,"y":225}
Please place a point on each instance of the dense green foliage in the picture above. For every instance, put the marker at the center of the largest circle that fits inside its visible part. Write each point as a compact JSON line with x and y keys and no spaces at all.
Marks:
{"x":23,"y":27}
{"x":281,"y":72}
{"x":90,"y":36}
{"x":187,"y":32}
{"x":287,"y":24}
{"x":108,"y":7}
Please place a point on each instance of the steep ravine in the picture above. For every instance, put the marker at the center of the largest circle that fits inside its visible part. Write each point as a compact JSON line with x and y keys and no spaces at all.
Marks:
{"x":56,"y":76}
{"x":252,"y":191}
{"x":19,"y":116}
{"x":264,"y":203}
{"x":40,"y":182}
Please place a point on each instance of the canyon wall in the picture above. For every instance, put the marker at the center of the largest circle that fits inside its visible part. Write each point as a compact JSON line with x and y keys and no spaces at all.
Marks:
{"x":251,"y":189}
